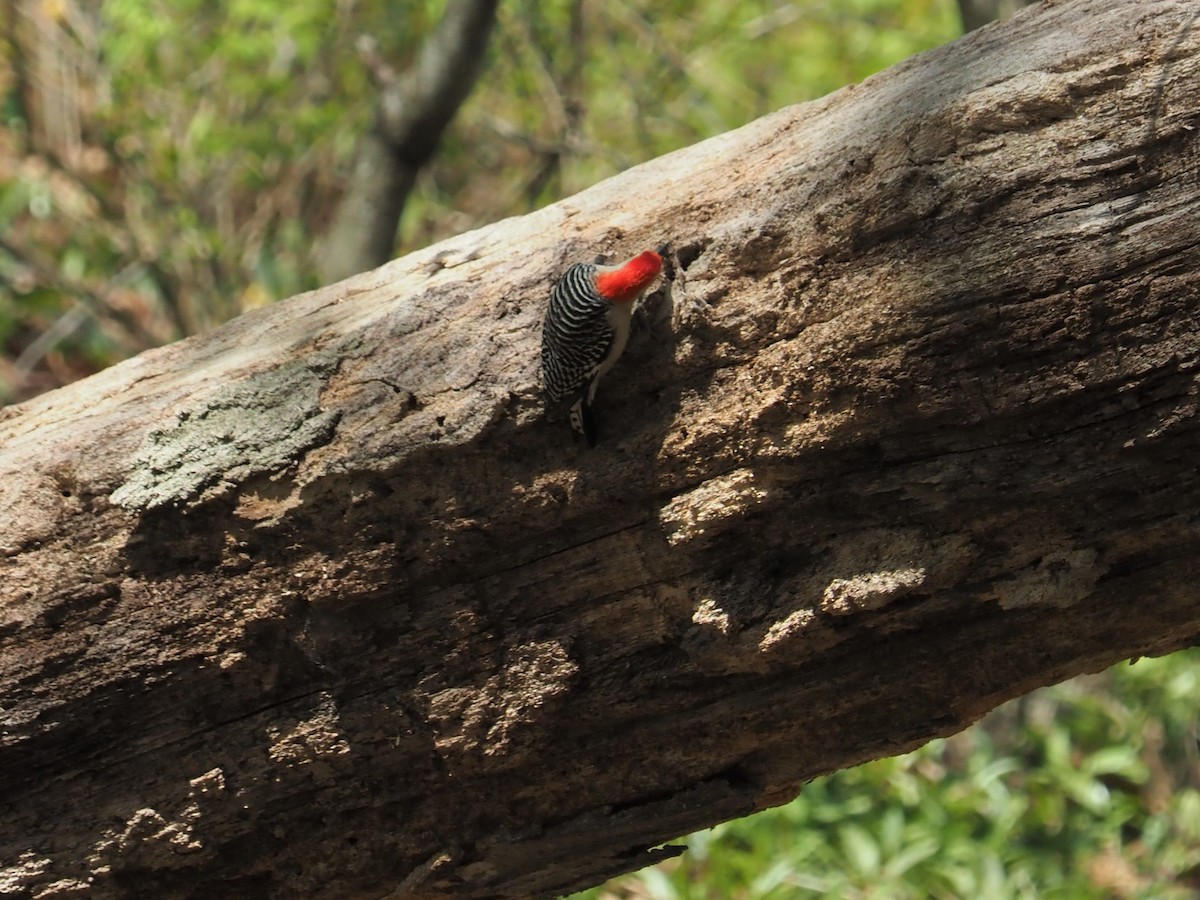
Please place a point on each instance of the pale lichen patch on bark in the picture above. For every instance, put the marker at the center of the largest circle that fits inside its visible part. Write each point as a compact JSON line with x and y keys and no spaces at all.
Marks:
{"x":261,"y":424}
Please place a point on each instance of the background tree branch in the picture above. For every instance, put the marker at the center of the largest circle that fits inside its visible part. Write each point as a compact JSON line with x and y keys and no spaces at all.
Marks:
{"x":318,"y":604}
{"x":412,"y":113}
{"x":977,"y":13}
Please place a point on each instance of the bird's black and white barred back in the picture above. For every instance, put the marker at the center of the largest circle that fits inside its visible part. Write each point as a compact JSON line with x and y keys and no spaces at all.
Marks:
{"x":585,"y":331}
{"x":576,"y":337}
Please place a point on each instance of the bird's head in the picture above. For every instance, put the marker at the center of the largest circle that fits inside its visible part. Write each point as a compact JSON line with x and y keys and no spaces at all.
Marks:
{"x":623,"y":284}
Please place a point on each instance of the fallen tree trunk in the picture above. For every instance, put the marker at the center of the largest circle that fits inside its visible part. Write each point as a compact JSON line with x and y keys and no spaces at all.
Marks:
{"x":317,"y":604}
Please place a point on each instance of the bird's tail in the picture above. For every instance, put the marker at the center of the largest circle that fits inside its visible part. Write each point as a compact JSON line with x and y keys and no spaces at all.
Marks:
{"x":583,"y":421}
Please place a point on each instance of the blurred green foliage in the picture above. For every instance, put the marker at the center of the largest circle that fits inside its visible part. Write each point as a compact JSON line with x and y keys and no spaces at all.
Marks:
{"x":1090,"y":789}
{"x":165,"y":166}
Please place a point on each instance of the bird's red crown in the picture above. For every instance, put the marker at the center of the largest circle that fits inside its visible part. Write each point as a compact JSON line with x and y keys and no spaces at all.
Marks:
{"x":624,"y":283}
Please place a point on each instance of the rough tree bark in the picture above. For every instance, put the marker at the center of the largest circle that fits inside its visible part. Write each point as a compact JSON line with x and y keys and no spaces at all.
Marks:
{"x":413,"y":111}
{"x":317,"y":604}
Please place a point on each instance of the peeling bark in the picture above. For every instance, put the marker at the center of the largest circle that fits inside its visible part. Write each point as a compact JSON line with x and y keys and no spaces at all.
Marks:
{"x":318,"y":604}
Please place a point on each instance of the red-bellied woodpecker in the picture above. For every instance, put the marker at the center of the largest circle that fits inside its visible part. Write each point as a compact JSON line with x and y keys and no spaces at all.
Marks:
{"x":585,"y":332}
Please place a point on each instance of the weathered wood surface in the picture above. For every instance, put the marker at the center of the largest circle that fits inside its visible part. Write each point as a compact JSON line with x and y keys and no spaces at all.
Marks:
{"x":316,"y":604}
